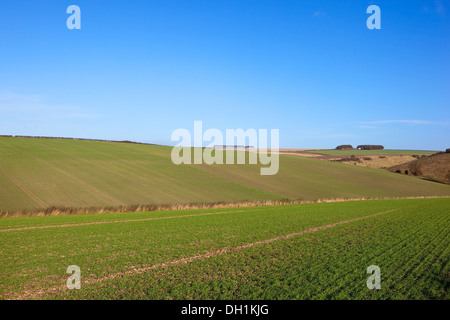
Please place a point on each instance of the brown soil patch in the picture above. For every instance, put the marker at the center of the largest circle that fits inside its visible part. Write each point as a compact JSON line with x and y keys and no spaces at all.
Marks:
{"x":118,"y":221}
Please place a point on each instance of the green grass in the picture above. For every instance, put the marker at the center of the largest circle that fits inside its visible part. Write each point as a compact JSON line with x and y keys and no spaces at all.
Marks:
{"x":410,"y":245}
{"x":41,"y":173}
{"x":373,"y":152}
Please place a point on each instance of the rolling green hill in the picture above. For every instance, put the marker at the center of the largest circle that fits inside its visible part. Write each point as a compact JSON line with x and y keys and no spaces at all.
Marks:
{"x":41,"y":173}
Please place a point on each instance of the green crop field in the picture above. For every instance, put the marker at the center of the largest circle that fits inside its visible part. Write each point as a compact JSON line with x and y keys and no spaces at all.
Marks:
{"x":334,"y":152}
{"x":40,"y":173}
{"x":304,"y":251}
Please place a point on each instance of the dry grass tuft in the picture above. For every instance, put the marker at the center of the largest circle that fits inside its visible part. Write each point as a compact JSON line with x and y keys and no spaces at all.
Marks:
{"x":58,"y":211}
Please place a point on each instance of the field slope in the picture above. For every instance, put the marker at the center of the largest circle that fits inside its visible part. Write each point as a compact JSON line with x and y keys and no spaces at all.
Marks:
{"x":41,"y":173}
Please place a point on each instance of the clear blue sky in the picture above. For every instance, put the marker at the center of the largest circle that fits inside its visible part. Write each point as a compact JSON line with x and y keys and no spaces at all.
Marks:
{"x":138,"y":70}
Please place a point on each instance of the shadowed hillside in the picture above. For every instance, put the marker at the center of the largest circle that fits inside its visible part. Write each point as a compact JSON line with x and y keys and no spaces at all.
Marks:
{"x":435,"y":167}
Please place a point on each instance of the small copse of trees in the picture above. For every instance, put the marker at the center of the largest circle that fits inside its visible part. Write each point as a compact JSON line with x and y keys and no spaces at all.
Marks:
{"x":344,"y":147}
{"x":370,"y":147}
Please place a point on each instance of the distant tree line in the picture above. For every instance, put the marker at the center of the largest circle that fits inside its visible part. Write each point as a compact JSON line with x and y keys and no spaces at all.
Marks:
{"x":62,"y":138}
{"x":370,"y":147}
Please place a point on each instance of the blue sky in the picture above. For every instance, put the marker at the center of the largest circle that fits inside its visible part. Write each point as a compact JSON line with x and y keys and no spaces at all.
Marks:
{"x":138,"y":70}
